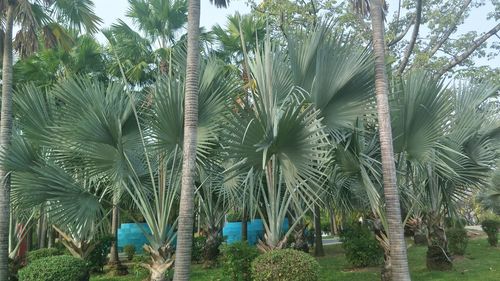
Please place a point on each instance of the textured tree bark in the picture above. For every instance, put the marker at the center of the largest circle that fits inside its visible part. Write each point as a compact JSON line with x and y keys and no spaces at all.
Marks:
{"x":399,"y":260}
{"x":318,"y":243}
{"x":438,"y":256}
{"x":5,"y":136}
{"x":186,"y":208}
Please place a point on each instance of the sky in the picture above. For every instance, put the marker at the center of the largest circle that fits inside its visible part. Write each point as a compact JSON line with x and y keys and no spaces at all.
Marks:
{"x":111,"y":10}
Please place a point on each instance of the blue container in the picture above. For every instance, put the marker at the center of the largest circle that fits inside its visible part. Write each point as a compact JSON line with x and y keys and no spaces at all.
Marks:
{"x":132,"y":234}
{"x":255,"y":228}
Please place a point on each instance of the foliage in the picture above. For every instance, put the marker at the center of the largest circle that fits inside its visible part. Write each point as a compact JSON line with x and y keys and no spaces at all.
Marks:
{"x":43,"y":253}
{"x":212,"y":249}
{"x":198,"y":246}
{"x":14,"y":266}
{"x":285,"y":265}
{"x":97,"y":258}
{"x":129,"y":251}
{"x":138,"y":269}
{"x":234,"y":216}
{"x":491,"y":228}
{"x":360,"y":245}
{"x":457,"y":240}
{"x":57,"y":268}
{"x":237,"y":260}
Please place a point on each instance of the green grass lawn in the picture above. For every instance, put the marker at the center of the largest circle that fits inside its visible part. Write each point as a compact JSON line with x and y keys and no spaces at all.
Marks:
{"x":480,"y":263}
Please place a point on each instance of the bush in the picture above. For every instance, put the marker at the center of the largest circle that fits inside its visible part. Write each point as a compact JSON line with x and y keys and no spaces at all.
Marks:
{"x":234,"y":216}
{"x":211,"y":251}
{"x":285,"y":265}
{"x":14,"y":266}
{"x":237,"y":260}
{"x":457,"y":240}
{"x":491,"y":229}
{"x":198,"y":248}
{"x":129,"y":251}
{"x":361,"y":247}
{"x":97,"y":258}
{"x":43,"y":253}
{"x":56,"y":268}
{"x":138,"y":269}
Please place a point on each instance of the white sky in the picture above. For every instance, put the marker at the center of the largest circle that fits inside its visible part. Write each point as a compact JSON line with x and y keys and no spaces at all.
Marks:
{"x":111,"y":10}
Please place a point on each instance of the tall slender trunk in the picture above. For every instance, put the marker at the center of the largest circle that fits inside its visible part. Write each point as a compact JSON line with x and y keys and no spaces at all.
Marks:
{"x":5,"y":136}
{"x":399,"y":260}
{"x":12,"y":232}
{"x":51,"y":237}
{"x":186,"y":208}
{"x":29,"y":239}
{"x":42,"y":228}
{"x":244,"y":226}
{"x":318,"y":244}
{"x":333,"y":223}
{"x":115,"y":224}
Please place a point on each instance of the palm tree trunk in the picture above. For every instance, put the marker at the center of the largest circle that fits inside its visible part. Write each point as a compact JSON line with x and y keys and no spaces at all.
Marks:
{"x":51,"y":237}
{"x":186,"y":207}
{"x":399,"y":260}
{"x":318,"y":244}
{"x":5,"y":136}
{"x":244,"y":225}
{"x":29,"y":239}
{"x":115,"y":224}
{"x":333,"y":223}
{"x":42,"y":228}
{"x":438,"y":256}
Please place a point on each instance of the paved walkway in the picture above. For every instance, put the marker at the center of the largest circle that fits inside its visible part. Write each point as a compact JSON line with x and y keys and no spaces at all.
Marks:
{"x":331,"y":241}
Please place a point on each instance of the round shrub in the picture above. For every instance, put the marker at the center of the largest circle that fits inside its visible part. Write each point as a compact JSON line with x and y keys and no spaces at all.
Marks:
{"x":43,"y":253}
{"x":237,"y":260}
{"x":457,"y":240}
{"x":361,"y":247}
{"x":129,"y":251}
{"x":285,"y":265}
{"x":491,"y":229}
{"x":57,"y":268}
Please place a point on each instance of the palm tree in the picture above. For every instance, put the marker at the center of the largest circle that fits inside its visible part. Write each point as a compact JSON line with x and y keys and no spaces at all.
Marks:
{"x":280,"y":145}
{"x":443,"y":138}
{"x":77,"y":15}
{"x":186,"y":208}
{"x":395,"y":231}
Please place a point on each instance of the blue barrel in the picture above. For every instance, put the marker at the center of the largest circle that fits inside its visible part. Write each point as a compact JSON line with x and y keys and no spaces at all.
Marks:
{"x":255,"y":228}
{"x":132,"y":234}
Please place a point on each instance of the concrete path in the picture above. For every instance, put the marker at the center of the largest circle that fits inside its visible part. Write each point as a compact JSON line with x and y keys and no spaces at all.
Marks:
{"x":331,"y":241}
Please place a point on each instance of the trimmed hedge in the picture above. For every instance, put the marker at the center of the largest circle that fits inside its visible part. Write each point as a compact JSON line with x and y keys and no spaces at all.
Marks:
{"x":361,"y":247}
{"x":56,"y":268}
{"x":285,"y":265}
{"x":43,"y":253}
